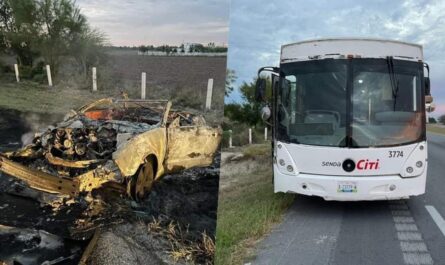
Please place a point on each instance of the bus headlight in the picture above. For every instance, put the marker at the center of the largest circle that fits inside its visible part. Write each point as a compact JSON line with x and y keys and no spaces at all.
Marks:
{"x":285,"y":163}
{"x":416,"y":163}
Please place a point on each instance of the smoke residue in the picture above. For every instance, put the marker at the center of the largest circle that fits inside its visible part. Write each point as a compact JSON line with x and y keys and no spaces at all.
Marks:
{"x":37,"y":122}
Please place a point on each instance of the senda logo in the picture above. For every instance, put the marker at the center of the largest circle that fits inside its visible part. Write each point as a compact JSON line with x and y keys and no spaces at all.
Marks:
{"x":365,"y":164}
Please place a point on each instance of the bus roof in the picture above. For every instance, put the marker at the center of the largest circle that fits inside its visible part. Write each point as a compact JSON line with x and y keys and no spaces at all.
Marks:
{"x":339,"y":48}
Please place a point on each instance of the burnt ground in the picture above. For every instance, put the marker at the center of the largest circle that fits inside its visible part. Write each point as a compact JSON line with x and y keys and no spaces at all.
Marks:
{"x":33,"y":231}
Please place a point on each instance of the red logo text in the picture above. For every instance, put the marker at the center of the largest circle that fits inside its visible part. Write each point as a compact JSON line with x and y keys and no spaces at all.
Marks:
{"x":365,"y":164}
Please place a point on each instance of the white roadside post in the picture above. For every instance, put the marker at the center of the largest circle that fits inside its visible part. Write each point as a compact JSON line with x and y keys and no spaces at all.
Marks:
{"x":209,"y":93}
{"x":265,"y":133}
{"x":250,"y":135}
{"x":143,"y":84}
{"x":48,"y":74}
{"x":230,"y":139}
{"x":17,"y":76}
{"x":94,"y":79}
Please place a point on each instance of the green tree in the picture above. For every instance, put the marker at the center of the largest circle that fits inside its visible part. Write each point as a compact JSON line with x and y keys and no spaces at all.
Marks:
{"x":51,"y":29}
{"x":19,"y":29}
{"x":143,"y":49}
{"x":62,"y":25}
{"x":87,"y":49}
{"x":248,"y":111}
{"x":432,"y":120}
{"x":230,"y":79}
{"x":442,"y":119}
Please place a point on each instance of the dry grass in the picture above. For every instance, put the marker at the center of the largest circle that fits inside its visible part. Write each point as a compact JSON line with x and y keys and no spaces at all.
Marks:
{"x":257,"y":150}
{"x":201,"y":251}
{"x":168,"y":77}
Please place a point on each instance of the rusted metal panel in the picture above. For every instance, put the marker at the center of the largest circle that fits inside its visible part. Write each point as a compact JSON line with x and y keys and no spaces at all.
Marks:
{"x":73,"y":164}
{"x":191,"y":146}
{"x":96,"y":178}
{"x":38,"y":179}
{"x":132,"y":153}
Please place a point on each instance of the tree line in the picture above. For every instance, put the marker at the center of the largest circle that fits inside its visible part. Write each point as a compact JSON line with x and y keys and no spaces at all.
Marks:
{"x":247,"y":111}
{"x":39,"y":32}
{"x":193,"y":48}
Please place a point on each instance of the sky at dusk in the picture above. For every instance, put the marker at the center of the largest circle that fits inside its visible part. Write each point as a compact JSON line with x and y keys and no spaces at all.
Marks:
{"x":259,"y":28}
{"x":158,"y":22}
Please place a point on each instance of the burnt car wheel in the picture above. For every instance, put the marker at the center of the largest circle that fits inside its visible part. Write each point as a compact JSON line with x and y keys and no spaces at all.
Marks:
{"x":141,"y":183}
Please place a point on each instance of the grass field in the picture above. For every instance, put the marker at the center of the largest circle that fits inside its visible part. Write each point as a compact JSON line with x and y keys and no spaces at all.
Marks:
{"x":247,"y":208}
{"x":180,"y":79}
{"x":32,"y":97}
{"x":436,"y":128}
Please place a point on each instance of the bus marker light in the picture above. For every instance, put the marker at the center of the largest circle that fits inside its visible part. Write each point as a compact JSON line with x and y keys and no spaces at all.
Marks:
{"x":282,"y":163}
{"x":290,"y":168}
{"x":409,"y":170}
{"x":392,"y":187}
{"x":419,"y":164}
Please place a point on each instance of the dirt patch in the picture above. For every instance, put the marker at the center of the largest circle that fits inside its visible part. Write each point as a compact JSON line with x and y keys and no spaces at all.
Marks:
{"x":235,"y":165}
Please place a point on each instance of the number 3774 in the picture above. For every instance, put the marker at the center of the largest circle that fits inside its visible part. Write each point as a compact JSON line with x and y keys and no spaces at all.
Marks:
{"x":393,"y":154}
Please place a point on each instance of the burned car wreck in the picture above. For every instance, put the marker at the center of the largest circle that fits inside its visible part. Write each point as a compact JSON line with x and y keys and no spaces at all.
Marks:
{"x":120,"y":144}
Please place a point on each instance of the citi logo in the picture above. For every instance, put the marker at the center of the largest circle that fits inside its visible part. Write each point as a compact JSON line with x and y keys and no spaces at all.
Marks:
{"x":365,"y":164}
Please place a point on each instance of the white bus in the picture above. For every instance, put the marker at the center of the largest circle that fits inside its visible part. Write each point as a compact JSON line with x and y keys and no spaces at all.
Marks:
{"x":348,"y":119}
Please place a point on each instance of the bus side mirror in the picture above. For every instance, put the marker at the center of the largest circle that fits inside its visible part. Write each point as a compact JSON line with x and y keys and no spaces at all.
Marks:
{"x":427,"y":86}
{"x":430,"y":107}
{"x":260,"y":90}
{"x":265,"y":113}
{"x":428,"y":99}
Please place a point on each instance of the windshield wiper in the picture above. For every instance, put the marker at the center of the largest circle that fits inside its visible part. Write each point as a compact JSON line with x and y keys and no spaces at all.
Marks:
{"x":392,"y":78}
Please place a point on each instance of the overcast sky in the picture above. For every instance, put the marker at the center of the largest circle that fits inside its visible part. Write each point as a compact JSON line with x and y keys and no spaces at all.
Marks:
{"x":157,"y":22}
{"x":258,"y":29}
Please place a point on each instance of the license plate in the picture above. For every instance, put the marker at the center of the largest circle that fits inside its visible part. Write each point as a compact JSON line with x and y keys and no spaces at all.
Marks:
{"x":347,"y":187}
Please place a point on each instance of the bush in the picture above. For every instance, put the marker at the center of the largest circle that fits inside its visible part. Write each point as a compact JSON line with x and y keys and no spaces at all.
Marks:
{"x":38,"y":69}
{"x":432,"y":120}
{"x":35,"y":73}
{"x":25,"y":72}
{"x":442,"y":119}
{"x":39,"y":78}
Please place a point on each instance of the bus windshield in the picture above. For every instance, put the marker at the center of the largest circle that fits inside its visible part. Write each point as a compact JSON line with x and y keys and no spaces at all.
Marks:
{"x":350,"y":103}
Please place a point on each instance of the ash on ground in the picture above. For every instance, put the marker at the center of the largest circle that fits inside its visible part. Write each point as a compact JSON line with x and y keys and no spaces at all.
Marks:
{"x":175,"y":224}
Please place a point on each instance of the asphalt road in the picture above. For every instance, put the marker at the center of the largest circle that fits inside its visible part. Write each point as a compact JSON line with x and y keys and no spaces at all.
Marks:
{"x":315,"y":231}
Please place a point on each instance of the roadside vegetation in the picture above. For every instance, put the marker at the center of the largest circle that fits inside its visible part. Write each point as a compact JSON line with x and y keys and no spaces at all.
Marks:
{"x":181,"y":49}
{"x":434,"y":128}
{"x":436,"y":125}
{"x":40,"y":32}
{"x":36,"y":33}
{"x":248,"y":208}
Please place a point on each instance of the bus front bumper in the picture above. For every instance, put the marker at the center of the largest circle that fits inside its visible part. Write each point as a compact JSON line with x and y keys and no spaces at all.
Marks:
{"x":364,"y":188}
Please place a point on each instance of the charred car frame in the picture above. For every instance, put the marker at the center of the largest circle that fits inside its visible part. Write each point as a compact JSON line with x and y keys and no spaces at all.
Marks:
{"x":113,"y":143}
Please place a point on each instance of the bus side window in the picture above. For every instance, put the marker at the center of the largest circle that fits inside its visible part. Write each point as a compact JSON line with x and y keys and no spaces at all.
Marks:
{"x":292,"y":97}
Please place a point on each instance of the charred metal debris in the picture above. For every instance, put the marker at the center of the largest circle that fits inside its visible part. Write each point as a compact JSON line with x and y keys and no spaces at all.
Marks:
{"x":124,"y":145}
